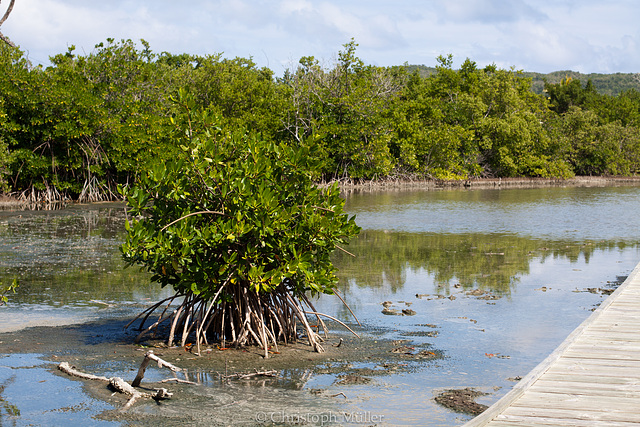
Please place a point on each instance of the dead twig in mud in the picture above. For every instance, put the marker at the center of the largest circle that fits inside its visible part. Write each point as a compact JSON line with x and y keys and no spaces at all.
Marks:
{"x":121,"y":385}
{"x":178,"y":380}
{"x":272,"y":373}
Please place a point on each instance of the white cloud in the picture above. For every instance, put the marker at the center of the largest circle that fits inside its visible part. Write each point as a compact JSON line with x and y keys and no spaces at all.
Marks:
{"x":542,"y":35}
{"x":490,"y":11}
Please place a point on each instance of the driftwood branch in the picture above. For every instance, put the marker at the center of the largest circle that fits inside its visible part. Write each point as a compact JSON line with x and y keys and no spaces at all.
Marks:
{"x":272,"y":373}
{"x":121,"y":385}
{"x":70,"y":370}
{"x":149,"y":356}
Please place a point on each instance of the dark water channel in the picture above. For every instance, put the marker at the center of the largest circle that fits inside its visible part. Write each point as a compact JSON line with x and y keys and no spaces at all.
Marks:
{"x":490,"y":280}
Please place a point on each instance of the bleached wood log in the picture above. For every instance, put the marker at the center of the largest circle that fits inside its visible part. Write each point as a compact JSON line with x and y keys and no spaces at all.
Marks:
{"x":70,"y":370}
{"x":121,"y":385}
{"x":149,"y":356}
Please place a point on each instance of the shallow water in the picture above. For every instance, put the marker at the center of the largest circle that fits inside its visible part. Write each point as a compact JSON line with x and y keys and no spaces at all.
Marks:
{"x":68,"y":265}
{"x":497,"y":279}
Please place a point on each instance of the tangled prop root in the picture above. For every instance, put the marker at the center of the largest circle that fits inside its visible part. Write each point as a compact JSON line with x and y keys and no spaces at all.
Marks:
{"x":239,"y":318}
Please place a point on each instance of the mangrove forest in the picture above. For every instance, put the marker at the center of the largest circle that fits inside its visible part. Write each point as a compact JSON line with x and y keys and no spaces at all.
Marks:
{"x":78,"y":128}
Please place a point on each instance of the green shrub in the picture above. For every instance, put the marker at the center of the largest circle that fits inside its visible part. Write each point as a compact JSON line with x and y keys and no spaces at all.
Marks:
{"x":237,"y":227}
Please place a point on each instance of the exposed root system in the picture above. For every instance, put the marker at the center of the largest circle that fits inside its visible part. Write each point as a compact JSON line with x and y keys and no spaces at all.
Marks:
{"x":235,"y":317}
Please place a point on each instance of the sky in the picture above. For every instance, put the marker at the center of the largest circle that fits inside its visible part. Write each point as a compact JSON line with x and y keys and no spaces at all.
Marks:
{"x":589,"y":36}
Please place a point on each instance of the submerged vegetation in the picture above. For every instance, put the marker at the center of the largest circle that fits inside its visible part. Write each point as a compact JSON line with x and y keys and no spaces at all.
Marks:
{"x":80,"y":127}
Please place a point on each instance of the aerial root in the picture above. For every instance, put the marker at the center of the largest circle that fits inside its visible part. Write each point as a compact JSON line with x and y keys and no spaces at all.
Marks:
{"x":237,"y":316}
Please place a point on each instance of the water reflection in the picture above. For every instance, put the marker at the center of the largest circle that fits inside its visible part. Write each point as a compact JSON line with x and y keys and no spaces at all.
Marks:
{"x":535,"y":250}
{"x":492,"y":262}
{"x":573,"y":213}
{"x":68,"y":265}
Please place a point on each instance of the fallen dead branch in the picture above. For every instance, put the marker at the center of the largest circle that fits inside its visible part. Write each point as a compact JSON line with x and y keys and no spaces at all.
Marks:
{"x":149,"y":356}
{"x":178,"y":380}
{"x":240,"y":376}
{"x":68,"y":369}
{"x":121,"y":385}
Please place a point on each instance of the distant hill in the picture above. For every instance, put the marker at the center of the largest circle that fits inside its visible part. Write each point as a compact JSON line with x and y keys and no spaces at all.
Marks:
{"x":608,"y":84}
{"x":422,"y":69}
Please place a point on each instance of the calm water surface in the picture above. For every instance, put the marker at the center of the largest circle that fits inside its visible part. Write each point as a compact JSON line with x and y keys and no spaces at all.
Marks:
{"x":496,"y":278}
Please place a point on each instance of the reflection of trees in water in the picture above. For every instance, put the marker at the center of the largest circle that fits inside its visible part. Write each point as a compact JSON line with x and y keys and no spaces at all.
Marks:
{"x":486,"y":261}
{"x":67,"y":237}
{"x":72,"y":223}
{"x":69,"y":256}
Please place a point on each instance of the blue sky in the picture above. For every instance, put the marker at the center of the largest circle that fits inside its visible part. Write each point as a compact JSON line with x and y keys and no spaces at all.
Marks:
{"x":601,"y":36}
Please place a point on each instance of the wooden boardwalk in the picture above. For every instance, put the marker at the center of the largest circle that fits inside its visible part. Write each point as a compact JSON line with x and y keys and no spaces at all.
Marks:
{"x":591,"y":379}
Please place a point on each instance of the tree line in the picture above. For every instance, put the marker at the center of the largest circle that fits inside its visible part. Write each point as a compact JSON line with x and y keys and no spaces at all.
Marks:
{"x":608,"y":84}
{"x":88,"y":122}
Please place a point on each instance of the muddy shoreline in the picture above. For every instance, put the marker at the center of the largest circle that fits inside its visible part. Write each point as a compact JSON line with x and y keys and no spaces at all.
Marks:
{"x":488,"y":183}
{"x":104,"y":347}
{"x":8,"y":202}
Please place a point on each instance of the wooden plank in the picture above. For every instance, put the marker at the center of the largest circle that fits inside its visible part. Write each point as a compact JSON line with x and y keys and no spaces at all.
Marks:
{"x":615,"y":350}
{"x":615,"y":327}
{"x":619,"y":314}
{"x":592,"y":389}
{"x":603,"y":346}
{"x":624,"y":311}
{"x":603,"y":331}
{"x":570,"y":414}
{"x":627,"y":368}
{"x":570,"y":361}
{"x":629,"y":407}
{"x":625,"y":300}
{"x":626,"y":304}
{"x":604,"y":328}
{"x":625,"y":336}
{"x":590,"y":379}
{"x":595,"y":370}
{"x":568,"y":417}
{"x":606,"y":342}
{"x":603,"y":354}
{"x":533,"y":421}
{"x":583,"y":357}
{"x":618,"y":325}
